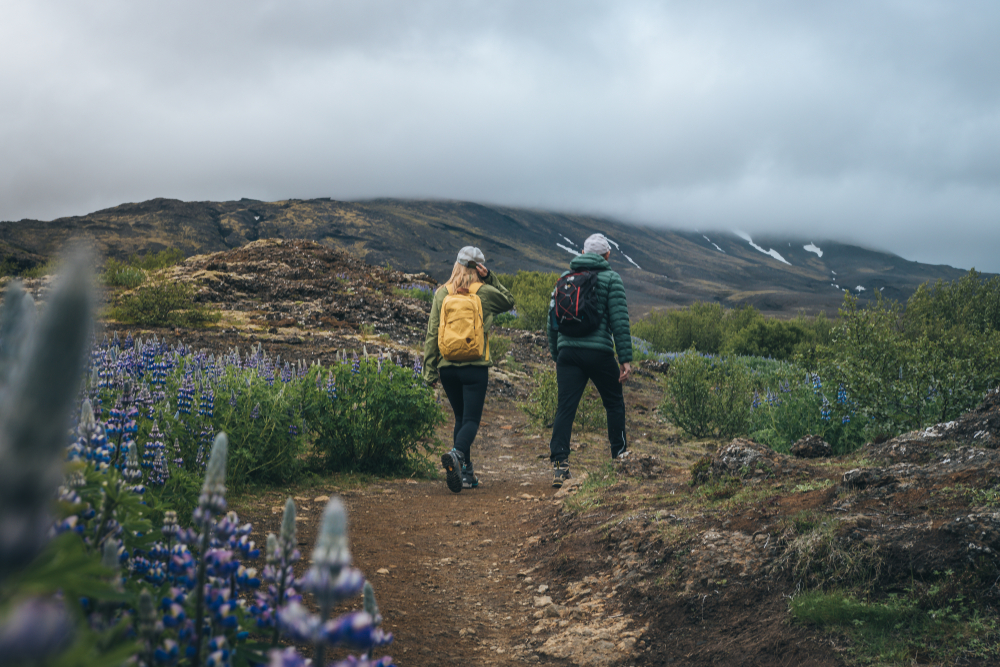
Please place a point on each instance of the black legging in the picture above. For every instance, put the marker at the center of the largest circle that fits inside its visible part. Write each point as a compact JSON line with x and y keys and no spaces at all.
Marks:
{"x":466,"y":390}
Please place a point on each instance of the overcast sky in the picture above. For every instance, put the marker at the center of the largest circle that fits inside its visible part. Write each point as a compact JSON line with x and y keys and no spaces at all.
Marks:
{"x":872,"y":122}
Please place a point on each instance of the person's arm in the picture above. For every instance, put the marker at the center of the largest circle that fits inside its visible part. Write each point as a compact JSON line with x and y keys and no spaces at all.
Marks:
{"x":499,"y":299}
{"x":432,"y":355}
{"x":621,"y":329}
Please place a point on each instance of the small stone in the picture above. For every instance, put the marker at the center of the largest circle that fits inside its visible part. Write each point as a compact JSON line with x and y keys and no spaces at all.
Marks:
{"x":542,"y":601}
{"x":543,"y":588}
{"x":382,"y":570}
{"x":321,"y":499}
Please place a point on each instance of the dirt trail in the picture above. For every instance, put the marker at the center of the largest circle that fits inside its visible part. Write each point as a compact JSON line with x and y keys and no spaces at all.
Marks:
{"x":446,"y":566}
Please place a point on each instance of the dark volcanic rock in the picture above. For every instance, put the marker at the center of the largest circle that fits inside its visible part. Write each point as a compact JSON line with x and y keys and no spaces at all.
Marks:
{"x":811,"y":447}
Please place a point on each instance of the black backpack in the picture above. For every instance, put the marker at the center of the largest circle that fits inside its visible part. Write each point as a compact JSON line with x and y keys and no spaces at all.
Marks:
{"x":576,"y":310}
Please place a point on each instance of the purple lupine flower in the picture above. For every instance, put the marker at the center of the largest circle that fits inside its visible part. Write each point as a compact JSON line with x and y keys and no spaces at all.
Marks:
{"x":255,"y":413}
{"x":206,"y":404}
{"x":331,"y":386}
{"x":355,"y":364}
{"x":185,"y":395}
{"x":131,"y":472}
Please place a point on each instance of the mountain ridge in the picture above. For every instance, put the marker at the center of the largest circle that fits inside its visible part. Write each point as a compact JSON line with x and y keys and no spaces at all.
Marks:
{"x":661,"y":267}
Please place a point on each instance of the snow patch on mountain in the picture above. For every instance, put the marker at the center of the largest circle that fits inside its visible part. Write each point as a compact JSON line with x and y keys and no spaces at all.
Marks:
{"x":771,"y":251}
{"x":813,"y":248}
{"x":716,"y":246}
{"x":569,"y":250}
{"x":623,"y":254}
{"x":568,"y":240}
{"x":859,"y":288}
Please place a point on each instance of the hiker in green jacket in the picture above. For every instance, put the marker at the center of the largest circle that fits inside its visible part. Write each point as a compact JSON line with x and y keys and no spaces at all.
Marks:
{"x":464,"y":381}
{"x":592,"y":357}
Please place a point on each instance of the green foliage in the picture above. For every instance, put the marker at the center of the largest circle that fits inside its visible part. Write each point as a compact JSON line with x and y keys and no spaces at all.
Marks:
{"x":422,"y":292}
{"x":698,"y":327}
{"x":41,"y":270}
{"x":379,"y":418}
{"x":708,"y":397}
{"x":121,"y":274}
{"x":925,"y":625}
{"x":157,"y":260}
{"x":499,"y":347}
{"x":163,"y":304}
{"x":544,"y":399}
{"x":532,"y":291}
{"x":8,"y":267}
{"x":802,"y":407}
{"x":711,"y":329}
{"x":907,"y":379}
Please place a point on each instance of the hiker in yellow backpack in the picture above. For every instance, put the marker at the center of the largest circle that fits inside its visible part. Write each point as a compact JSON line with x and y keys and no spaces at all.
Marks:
{"x":457,"y":352}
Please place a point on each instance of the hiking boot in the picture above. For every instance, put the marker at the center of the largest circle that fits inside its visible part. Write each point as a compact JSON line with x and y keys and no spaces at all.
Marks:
{"x":622,"y":455}
{"x":560,"y":473}
{"x":452,"y":462}
{"x":469,"y":479}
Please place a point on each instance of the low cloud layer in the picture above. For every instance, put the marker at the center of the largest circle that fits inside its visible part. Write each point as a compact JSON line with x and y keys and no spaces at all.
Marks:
{"x":872,"y":122}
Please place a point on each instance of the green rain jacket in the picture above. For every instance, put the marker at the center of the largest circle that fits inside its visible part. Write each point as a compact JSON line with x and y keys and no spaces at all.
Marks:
{"x":614,"y":333}
{"x":496,"y":299}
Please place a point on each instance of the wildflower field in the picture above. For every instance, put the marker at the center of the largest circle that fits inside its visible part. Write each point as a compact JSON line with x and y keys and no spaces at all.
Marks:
{"x":139,"y":559}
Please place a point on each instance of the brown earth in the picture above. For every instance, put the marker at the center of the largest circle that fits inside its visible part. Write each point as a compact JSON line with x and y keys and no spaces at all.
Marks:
{"x":630,"y":564}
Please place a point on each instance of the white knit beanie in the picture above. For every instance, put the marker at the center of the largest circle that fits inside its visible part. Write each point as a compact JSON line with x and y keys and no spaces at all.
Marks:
{"x":597,"y":244}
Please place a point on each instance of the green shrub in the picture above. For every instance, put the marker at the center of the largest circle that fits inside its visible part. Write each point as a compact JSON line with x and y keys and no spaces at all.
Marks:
{"x":415,"y":291}
{"x":373,"y":417}
{"x":532,"y":291}
{"x":120,"y":274}
{"x":792,"y":410}
{"x":157,"y":260}
{"x":40,"y":270}
{"x":902,"y":380}
{"x":163,"y":304}
{"x":711,"y":329}
{"x":707,"y":396}
{"x":544,"y":399}
{"x":698,"y":327}
{"x":499,"y":347}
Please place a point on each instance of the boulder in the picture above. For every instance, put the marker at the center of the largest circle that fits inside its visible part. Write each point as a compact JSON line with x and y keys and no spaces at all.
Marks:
{"x":811,"y":447}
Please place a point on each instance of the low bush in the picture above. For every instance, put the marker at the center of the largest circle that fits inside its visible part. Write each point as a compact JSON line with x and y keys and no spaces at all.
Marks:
{"x":163,"y":304}
{"x":499,"y":347}
{"x":416,"y":291}
{"x":900,"y":379}
{"x":155,"y":261}
{"x":708,"y":396}
{"x":532,"y":291}
{"x":794,"y":409}
{"x":710,"y":328}
{"x":121,"y":274}
{"x":370,"y":416}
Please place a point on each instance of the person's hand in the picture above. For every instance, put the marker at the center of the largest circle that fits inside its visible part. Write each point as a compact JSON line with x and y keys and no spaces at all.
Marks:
{"x":482,"y":270}
{"x":626,"y":371}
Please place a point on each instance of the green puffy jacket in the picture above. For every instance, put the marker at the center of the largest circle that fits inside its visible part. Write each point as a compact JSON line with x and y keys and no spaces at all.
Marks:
{"x":614,"y":332}
{"x":496,"y":299}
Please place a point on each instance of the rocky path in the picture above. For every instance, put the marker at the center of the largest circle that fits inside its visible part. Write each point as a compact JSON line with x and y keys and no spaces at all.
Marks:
{"x":452,"y":572}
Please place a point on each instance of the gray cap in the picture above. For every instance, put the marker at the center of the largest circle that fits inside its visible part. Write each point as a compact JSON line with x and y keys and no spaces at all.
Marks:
{"x":470,"y":256}
{"x":597,"y":244}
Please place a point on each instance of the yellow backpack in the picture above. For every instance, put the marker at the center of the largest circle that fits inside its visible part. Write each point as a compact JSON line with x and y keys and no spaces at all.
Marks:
{"x":460,"y":331}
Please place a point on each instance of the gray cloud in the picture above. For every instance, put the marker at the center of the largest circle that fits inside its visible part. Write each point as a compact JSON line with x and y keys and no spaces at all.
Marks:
{"x":876,"y":122}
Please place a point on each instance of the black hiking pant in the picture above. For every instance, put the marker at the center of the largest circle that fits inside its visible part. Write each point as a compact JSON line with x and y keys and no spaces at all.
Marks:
{"x":466,"y":390}
{"x":574,"y":366}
